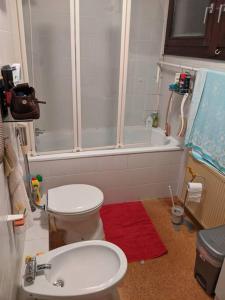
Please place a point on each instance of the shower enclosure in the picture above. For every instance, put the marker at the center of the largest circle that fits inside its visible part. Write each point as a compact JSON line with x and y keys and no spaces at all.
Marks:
{"x":95,"y":63}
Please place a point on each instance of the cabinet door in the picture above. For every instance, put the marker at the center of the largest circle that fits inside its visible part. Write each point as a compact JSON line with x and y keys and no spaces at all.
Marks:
{"x":219,"y":32}
{"x":189,"y":27}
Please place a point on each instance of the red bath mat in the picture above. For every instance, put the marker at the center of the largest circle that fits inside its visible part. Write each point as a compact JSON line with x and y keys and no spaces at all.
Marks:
{"x":128,"y":226}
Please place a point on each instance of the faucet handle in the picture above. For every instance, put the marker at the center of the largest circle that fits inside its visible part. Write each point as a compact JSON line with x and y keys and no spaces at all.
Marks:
{"x":43,"y":267}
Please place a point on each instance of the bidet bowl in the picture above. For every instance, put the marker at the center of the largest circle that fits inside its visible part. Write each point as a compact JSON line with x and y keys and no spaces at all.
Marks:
{"x":86,"y":269}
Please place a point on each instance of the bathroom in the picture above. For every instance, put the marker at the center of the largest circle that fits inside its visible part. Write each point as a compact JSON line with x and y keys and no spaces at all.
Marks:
{"x":113,"y":128}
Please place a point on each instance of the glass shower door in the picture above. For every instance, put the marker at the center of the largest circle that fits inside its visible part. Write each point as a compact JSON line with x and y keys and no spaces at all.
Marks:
{"x":100,"y":43}
{"x":48,"y":47}
{"x":146,"y":26}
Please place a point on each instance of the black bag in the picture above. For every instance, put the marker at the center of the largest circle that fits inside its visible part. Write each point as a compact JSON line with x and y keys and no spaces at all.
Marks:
{"x":24,"y":105}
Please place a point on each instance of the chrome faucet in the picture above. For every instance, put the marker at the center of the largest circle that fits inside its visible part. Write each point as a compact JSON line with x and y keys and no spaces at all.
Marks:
{"x":43,"y":267}
{"x":32,"y":269}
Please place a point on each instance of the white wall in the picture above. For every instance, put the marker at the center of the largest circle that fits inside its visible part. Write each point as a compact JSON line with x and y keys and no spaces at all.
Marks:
{"x":6,"y":37}
{"x":9,"y":252}
{"x":9,"y":50}
{"x":8,"y":255}
{"x":168,"y":75}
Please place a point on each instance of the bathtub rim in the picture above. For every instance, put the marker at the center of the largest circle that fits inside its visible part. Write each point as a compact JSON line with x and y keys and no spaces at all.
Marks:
{"x":101,"y":153}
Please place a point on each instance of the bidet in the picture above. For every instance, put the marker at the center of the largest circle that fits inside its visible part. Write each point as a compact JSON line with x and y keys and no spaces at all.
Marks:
{"x":89,"y":270}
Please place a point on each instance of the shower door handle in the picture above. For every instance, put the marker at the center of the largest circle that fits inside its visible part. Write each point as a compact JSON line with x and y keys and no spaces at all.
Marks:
{"x":221,"y":10}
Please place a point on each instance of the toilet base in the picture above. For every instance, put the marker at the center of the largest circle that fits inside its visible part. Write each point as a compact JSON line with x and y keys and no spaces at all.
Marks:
{"x":76,"y":229}
{"x":97,"y":233}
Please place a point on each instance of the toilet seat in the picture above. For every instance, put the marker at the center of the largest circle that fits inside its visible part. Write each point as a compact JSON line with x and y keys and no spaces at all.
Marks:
{"x":74,"y":199}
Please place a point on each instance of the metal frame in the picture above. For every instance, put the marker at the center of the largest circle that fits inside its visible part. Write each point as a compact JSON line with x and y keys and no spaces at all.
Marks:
{"x":74,"y":74}
{"x":25,"y":68}
{"x":78,"y":79}
{"x":163,"y":63}
{"x":123,"y":71}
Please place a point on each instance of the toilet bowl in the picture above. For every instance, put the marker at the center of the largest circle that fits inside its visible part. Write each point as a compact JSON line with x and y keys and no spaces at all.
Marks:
{"x":87,"y":270}
{"x":75,"y":210}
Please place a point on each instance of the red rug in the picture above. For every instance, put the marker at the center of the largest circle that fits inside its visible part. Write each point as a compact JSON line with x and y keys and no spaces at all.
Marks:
{"x":128,"y":226}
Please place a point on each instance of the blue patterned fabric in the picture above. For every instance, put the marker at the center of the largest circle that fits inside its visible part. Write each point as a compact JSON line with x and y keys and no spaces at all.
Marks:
{"x":206,"y":125}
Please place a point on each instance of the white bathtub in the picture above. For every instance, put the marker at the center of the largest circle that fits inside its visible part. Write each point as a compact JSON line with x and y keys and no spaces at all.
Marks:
{"x":123,"y":174}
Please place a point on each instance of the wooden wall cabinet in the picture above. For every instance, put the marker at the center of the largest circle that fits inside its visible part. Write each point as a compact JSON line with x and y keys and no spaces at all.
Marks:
{"x":196,"y":28}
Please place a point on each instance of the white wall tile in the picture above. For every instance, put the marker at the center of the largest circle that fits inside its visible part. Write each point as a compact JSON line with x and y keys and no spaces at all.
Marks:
{"x":158,"y":190}
{"x":64,"y":167}
{"x":37,"y":231}
{"x":11,"y":245}
{"x":154,"y":159}
{"x":116,"y":162}
{"x":40,"y":216}
{"x":8,"y":257}
{"x":32,"y":247}
{"x":127,"y":175}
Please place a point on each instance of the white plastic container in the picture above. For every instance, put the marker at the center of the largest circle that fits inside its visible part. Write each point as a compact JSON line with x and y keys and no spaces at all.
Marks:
{"x":177,"y":214}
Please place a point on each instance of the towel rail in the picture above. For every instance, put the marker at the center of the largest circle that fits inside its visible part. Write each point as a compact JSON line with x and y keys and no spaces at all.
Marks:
{"x":11,"y":218}
{"x":163,"y":63}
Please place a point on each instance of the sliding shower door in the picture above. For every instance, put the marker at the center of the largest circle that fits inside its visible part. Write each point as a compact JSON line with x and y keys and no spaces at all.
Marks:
{"x":145,"y":35}
{"x":100,"y":45}
{"x":48,"y":47}
{"x":94,"y":62}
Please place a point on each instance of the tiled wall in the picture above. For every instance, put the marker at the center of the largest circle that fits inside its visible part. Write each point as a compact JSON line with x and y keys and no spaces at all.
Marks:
{"x":9,"y":51}
{"x":168,"y":76}
{"x":9,"y":254}
{"x":6,"y":49}
{"x":121,"y":177}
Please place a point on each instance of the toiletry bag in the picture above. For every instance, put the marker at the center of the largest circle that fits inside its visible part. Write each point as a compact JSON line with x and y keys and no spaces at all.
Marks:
{"x":24,"y":104}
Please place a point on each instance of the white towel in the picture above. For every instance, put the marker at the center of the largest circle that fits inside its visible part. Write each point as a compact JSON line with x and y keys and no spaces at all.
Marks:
{"x":1,"y":140}
{"x":17,"y":191}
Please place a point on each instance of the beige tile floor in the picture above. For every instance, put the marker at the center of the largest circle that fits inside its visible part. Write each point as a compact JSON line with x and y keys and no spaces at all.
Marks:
{"x":169,"y":277}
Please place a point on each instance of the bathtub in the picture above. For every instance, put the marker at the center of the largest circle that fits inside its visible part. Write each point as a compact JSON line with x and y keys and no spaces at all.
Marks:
{"x":123,"y":174}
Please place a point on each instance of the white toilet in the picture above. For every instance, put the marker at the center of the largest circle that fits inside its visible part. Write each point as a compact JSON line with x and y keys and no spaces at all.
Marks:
{"x":89,"y":270}
{"x":75,"y":210}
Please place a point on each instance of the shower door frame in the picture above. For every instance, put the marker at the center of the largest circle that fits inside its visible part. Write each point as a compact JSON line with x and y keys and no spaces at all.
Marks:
{"x":76,"y":77}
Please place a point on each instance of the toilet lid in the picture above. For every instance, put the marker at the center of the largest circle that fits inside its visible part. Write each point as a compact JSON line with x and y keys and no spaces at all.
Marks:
{"x":74,"y":198}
